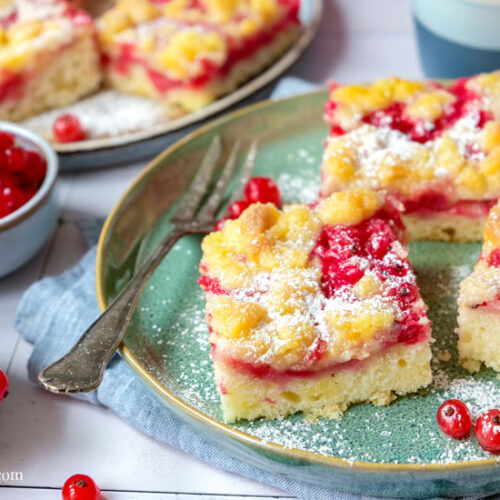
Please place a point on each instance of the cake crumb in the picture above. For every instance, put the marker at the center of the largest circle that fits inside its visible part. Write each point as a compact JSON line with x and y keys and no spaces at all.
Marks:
{"x":471,"y":365}
{"x":444,"y":356}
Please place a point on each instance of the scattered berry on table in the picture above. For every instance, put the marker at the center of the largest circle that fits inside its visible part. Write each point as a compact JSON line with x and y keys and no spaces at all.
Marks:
{"x":4,"y":385}
{"x":263,"y":190}
{"x":487,"y":431}
{"x":67,"y":128}
{"x":80,"y":487}
{"x":454,"y":418}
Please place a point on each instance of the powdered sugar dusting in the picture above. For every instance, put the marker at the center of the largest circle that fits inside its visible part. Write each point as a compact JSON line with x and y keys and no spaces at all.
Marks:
{"x":303,"y":188}
{"x":106,"y":114}
{"x":466,"y":134}
{"x":373,"y":147}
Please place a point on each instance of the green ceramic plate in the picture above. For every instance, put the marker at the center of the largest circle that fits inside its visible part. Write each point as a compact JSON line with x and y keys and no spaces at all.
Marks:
{"x":391,"y":451}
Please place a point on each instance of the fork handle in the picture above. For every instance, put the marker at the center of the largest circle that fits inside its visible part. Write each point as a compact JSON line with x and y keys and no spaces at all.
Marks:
{"x":82,"y":368}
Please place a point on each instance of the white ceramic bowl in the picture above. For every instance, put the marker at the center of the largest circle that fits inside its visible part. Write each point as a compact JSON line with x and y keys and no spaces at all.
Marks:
{"x":457,"y":37}
{"x":23,"y":232}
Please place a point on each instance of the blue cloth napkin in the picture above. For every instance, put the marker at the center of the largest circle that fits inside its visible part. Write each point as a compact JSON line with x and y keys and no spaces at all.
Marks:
{"x":55,"y":311}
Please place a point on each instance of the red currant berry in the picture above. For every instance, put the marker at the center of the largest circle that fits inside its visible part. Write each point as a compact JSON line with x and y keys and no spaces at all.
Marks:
{"x":34,"y":170}
{"x":494,"y":258}
{"x":29,"y":192}
{"x":349,"y":272}
{"x":80,"y":487}
{"x":336,"y":130}
{"x":219,"y":225}
{"x":67,"y":128}
{"x":237,"y":208}
{"x":6,"y":180}
{"x":11,"y":198}
{"x":487,"y":431}
{"x":4,"y":385}
{"x":454,"y":418}
{"x":380,"y":239}
{"x":6,"y":140}
{"x":263,"y":190}
{"x":15,"y":159}
{"x":410,"y":330}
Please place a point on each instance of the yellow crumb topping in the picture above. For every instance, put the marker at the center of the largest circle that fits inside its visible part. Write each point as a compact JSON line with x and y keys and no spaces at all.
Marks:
{"x":262,"y":238}
{"x":367,"y":286}
{"x":361,"y":325}
{"x":275,"y":311}
{"x":138,"y":11}
{"x":27,"y":30}
{"x":485,"y":83}
{"x":189,"y":47}
{"x":235,"y":18}
{"x":35,"y":31}
{"x":371,"y":157}
{"x":490,"y":137}
{"x":429,"y":105}
{"x":180,"y":37}
{"x":349,"y":207}
{"x":355,"y":100}
{"x":492,"y":227}
{"x":221,"y":10}
{"x":232,"y":318}
{"x":340,"y":161}
{"x":448,"y":155}
{"x":113,"y":21}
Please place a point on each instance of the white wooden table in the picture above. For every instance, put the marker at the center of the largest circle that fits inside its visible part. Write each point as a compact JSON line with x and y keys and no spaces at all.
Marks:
{"x":48,"y":438}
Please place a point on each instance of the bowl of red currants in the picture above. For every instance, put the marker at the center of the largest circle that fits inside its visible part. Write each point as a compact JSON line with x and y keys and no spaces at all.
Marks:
{"x":28,"y":201}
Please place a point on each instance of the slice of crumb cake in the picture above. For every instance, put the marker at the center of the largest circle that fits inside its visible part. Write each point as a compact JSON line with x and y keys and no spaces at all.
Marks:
{"x":187,"y":53}
{"x":48,"y":56}
{"x":314,"y":308}
{"x":479,"y":304}
{"x":436,"y":149}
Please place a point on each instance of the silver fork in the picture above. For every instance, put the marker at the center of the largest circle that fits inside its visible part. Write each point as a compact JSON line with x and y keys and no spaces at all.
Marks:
{"x":82,"y":368}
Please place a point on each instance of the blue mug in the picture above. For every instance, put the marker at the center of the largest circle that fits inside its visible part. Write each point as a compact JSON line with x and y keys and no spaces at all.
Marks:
{"x":457,"y":37}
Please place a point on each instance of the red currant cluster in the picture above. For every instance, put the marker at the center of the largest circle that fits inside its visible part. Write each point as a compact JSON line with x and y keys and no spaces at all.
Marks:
{"x":257,"y":190}
{"x":347,"y":253}
{"x":455,"y":420}
{"x":21,"y":174}
{"x":67,"y":128}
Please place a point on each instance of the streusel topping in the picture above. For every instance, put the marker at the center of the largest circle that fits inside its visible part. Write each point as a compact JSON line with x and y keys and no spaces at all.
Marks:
{"x":416,"y":138}
{"x":184,"y":37}
{"x":29,"y":26}
{"x":308,"y":287}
